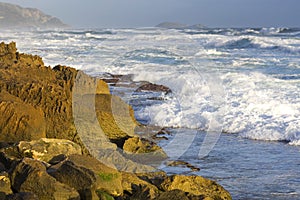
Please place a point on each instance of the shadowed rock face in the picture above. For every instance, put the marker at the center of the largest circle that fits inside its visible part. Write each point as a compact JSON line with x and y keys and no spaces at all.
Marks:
{"x":14,"y":16}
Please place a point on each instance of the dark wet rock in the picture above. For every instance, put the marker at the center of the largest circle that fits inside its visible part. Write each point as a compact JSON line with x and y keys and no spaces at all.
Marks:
{"x":5,"y":184}
{"x":22,"y":196}
{"x":155,"y":178}
{"x":179,"y":195}
{"x":181,"y":163}
{"x":86,"y":175}
{"x":30,"y":176}
{"x":161,"y":134}
{"x":57,"y":159}
{"x":9,"y":156}
{"x":137,"y":188}
{"x":2,"y":167}
{"x":154,"y":88}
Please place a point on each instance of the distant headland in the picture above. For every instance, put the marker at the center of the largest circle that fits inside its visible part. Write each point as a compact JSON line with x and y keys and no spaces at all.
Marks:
{"x":175,"y":25}
{"x":14,"y":16}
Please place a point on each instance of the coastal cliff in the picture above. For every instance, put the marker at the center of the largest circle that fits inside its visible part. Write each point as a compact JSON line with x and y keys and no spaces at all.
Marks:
{"x":42,"y":155}
{"x":14,"y":16}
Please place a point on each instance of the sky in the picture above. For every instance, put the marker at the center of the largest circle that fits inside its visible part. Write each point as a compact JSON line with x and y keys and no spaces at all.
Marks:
{"x":148,"y":13}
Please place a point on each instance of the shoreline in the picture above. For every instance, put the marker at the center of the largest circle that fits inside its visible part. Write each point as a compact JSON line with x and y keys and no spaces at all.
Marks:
{"x":42,"y":101}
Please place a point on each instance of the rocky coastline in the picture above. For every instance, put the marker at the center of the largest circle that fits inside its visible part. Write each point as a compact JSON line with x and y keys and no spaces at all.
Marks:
{"x":43,"y":155}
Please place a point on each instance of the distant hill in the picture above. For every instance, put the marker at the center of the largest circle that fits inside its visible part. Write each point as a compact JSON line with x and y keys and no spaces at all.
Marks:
{"x":14,"y":16}
{"x":174,"y":25}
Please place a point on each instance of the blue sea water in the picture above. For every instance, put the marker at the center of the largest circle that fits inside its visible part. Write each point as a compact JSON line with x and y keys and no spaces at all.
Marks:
{"x":239,"y":86}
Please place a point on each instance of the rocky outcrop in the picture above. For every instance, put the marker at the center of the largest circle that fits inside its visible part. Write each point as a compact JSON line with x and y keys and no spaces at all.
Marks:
{"x":82,"y":177}
{"x":14,"y":16}
{"x":46,"y":149}
{"x":43,"y":155}
{"x":39,"y":99}
{"x":195,"y":185}
{"x":30,"y":176}
{"x":91,"y":176}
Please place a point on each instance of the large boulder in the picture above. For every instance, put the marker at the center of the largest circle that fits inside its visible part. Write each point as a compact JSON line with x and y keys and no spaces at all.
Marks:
{"x":88,"y":175}
{"x":5,"y":188}
{"x":45,"y":149}
{"x":30,"y":176}
{"x":19,"y":120}
{"x":179,"y":195}
{"x":136,"y":188}
{"x":196,"y":185}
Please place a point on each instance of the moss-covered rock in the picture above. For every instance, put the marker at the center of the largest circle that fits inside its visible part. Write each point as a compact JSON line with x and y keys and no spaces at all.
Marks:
{"x":87,"y":174}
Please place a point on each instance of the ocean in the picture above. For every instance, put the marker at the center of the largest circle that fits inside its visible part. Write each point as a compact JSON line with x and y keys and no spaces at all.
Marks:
{"x":234,"y":109}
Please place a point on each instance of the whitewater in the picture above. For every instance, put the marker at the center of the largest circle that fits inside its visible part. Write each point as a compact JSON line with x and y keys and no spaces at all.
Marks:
{"x":241,"y":84}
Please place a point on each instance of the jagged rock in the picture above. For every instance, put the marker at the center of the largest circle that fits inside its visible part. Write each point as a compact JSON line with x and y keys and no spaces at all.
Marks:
{"x":57,"y":159}
{"x":196,"y":185}
{"x":50,"y":102}
{"x":144,"y":151}
{"x":116,"y":118}
{"x":2,"y":167}
{"x":87,"y":174}
{"x":45,"y":149}
{"x":19,"y":120}
{"x":140,"y":145}
{"x":47,"y":100}
{"x":116,"y":159}
{"x":14,"y":16}
{"x":9,"y":156}
{"x":4,"y":184}
{"x":22,"y":196}
{"x":137,"y":188}
{"x":154,"y":87}
{"x":155,"y":178}
{"x":181,"y":163}
{"x":178,"y":195}
{"x":30,"y":176}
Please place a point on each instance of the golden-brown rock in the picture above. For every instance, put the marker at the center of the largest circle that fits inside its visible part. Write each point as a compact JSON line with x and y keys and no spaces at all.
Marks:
{"x":37,"y":100}
{"x":196,"y":185}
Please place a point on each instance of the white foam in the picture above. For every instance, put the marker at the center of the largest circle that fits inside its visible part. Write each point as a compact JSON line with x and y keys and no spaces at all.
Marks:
{"x":258,"y":106}
{"x":262,"y":107}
